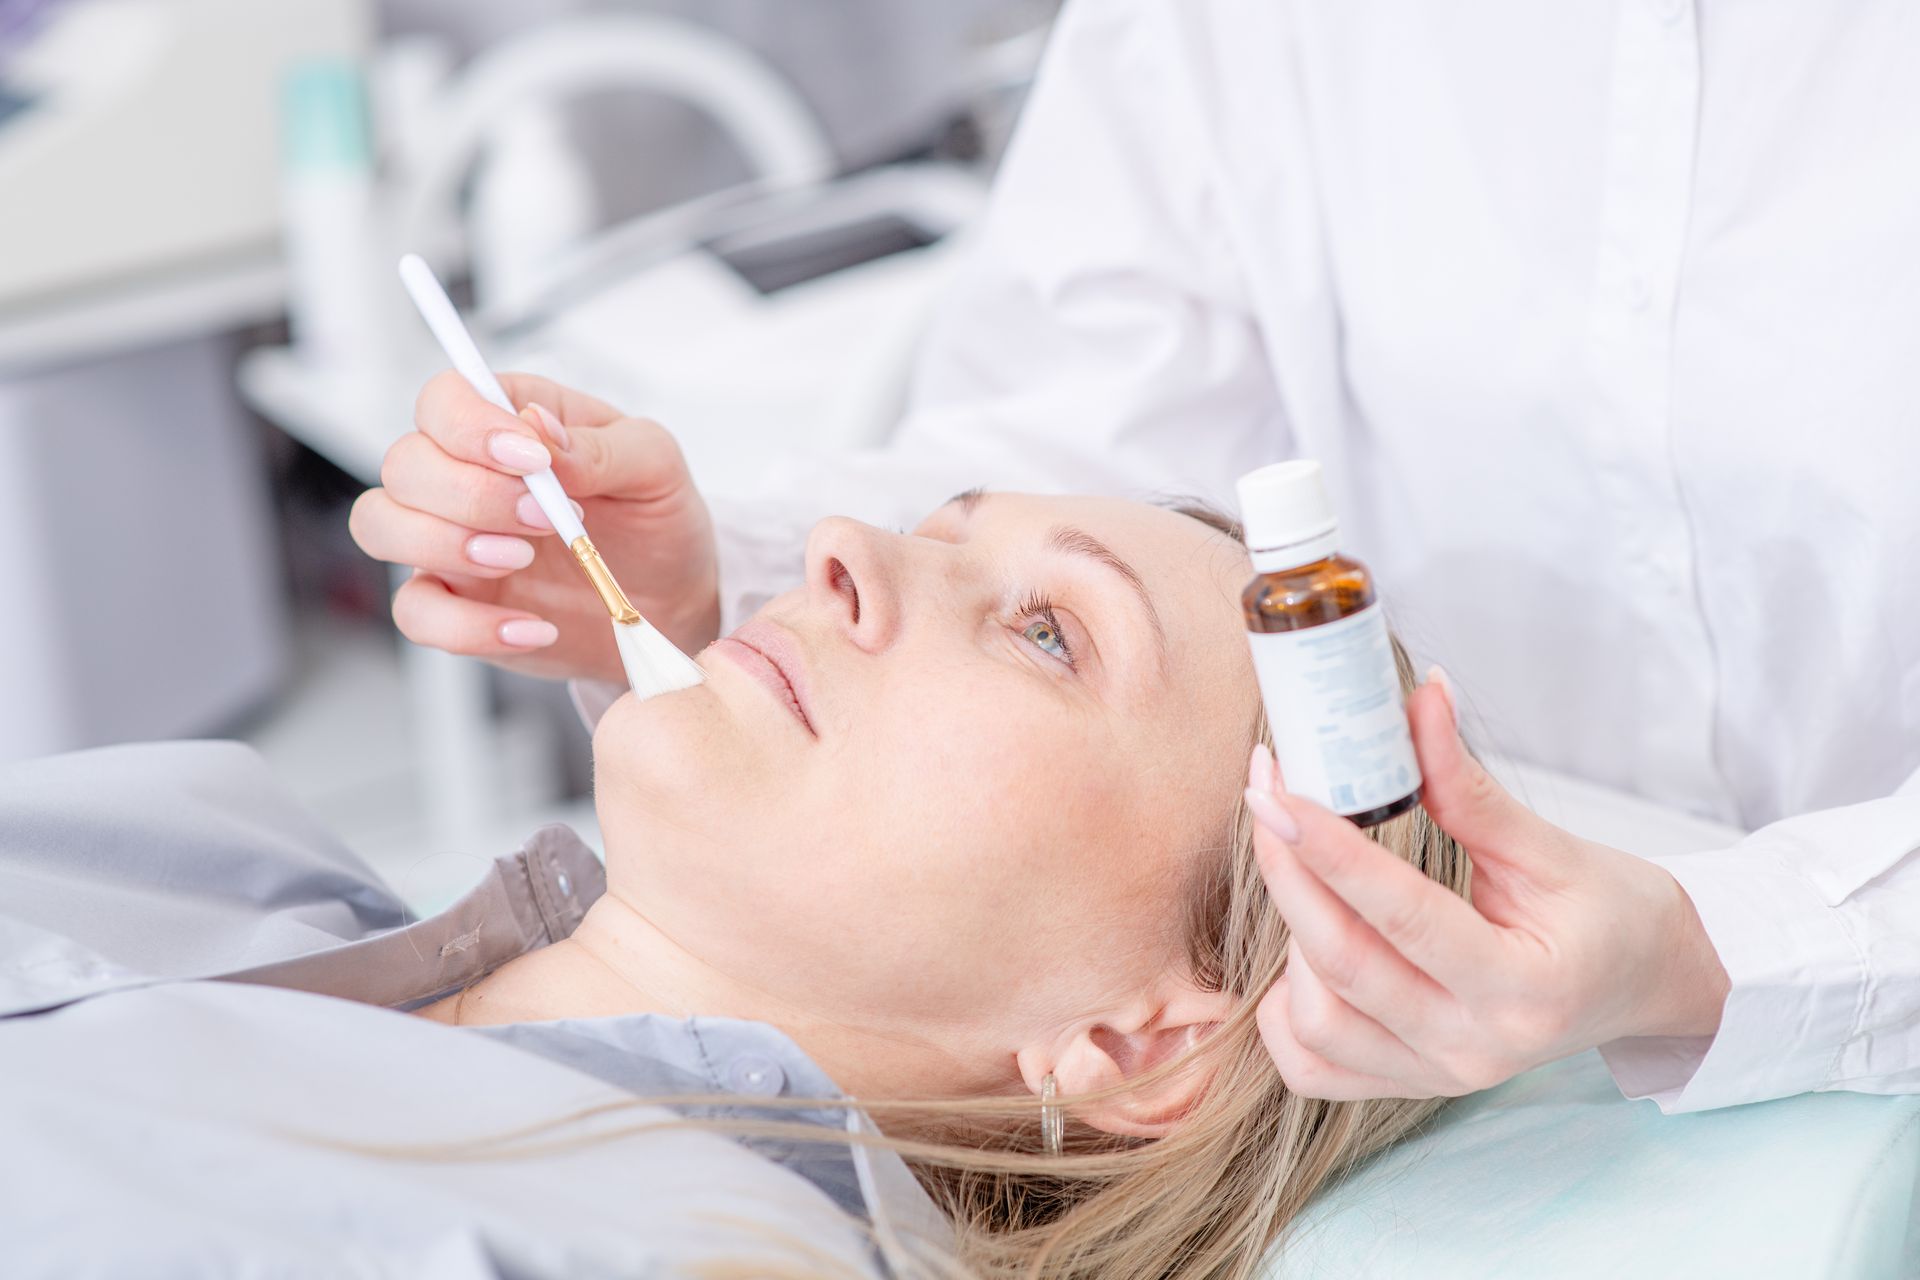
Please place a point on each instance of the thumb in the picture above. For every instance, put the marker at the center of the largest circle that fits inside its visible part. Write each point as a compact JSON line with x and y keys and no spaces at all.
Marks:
{"x":1456,"y":789}
{"x":631,"y":459}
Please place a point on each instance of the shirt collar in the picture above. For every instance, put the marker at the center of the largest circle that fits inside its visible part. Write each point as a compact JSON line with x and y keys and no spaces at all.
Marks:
{"x":528,"y":899}
{"x":537,"y":896}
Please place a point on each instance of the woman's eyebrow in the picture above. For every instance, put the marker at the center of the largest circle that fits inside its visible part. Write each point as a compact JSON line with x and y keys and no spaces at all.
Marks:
{"x":967,"y":499}
{"x":1079,"y":542}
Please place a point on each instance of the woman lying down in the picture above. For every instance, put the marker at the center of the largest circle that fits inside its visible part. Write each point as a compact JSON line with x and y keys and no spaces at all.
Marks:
{"x":954,"y":830}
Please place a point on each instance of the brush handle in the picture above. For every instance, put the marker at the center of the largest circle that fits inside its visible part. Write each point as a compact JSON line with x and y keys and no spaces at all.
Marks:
{"x":436,"y":308}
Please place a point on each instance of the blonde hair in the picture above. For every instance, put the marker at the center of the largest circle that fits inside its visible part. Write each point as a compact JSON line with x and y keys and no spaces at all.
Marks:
{"x":1212,"y":1197}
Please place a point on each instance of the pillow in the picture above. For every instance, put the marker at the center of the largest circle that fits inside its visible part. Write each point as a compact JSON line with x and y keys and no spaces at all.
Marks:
{"x":1555,"y":1174}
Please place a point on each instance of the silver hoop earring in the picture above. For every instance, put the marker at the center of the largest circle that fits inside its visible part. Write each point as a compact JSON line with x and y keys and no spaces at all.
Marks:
{"x":1053,"y":1120}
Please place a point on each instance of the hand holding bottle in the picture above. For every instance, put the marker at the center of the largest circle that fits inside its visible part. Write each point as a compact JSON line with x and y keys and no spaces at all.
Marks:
{"x":1395,"y":987}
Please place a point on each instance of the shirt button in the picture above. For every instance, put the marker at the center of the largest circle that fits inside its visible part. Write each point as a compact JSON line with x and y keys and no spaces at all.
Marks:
{"x":756,"y":1074}
{"x":566,"y":885}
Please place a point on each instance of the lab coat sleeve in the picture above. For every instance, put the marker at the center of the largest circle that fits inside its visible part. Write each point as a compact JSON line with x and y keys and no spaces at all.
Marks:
{"x":1817,"y":920}
{"x":1097,"y":338}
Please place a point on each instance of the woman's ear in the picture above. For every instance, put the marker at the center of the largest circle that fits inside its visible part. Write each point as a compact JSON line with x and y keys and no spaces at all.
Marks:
{"x":1123,"y":1048}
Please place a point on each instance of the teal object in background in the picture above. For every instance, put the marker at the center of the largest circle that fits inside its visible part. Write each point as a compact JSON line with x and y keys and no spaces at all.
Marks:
{"x":324,"y":119}
{"x":1555,"y":1175}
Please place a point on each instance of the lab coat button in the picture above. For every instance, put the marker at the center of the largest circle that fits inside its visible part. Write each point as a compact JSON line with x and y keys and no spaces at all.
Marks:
{"x":756,"y":1074}
{"x":1672,"y":11}
{"x":1639,"y":293}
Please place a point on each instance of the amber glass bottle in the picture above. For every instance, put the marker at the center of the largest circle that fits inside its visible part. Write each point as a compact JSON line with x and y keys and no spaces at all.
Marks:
{"x":1322,"y":654}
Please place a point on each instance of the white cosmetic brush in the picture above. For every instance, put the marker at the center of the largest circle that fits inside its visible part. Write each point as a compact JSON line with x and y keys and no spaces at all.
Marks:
{"x":654,"y":666}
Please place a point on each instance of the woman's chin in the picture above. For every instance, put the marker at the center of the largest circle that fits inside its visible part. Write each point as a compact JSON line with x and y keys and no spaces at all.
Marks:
{"x":669,"y":754}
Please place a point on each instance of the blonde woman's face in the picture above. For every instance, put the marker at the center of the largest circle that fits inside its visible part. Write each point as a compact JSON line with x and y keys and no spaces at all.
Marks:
{"x":1010,"y":736}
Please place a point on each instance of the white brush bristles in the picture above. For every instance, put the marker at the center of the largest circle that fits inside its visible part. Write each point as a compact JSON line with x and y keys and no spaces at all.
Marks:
{"x":654,"y":664}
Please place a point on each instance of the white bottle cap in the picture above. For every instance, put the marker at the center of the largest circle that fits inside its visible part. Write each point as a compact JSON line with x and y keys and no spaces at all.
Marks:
{"x":1286,"y":515}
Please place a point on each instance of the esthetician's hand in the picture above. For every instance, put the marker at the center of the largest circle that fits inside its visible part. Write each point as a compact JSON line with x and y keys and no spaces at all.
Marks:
{"x":491,"y":578}
{"x":1396,"y":988}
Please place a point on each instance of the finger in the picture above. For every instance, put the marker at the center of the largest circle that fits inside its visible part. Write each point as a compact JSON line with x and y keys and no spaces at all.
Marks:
{"x":1343,"y":1035}
{"x":1263,"y":771}
{"x":1456,"y":790}
{"x":418,"y":473}
{"x":1263,"y":775}
{"x":1426,"y":923}
{"x":1306,"y":1072}
{"x":465,"y":426}
{"x":574,"y":408}
{"x":396,"y":534}
{"x":634,"y":458}
{"x":431,"y":614}
{"x":1345,"y":952}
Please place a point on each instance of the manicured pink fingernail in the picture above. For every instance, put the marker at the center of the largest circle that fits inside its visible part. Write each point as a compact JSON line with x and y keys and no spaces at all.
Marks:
{"x":528,"y":512}
{"x":528,"y":633}
{"x":1435,"y":675}
{"x":515,"y":451}
{"x":1272,"y":816}
{"x":496,"y":552}
{"x":1261,"y":770}
{"x":556,"y":430}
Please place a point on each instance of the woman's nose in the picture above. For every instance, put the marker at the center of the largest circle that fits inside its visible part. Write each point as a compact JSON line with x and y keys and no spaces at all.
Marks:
{"x":853,"y":576}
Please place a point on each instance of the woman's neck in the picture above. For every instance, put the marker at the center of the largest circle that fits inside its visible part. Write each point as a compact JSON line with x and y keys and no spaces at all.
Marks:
{"x":618,"y":962}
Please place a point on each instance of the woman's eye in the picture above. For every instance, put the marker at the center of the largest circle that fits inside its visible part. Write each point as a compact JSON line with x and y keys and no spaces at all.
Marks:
{"x":1043,"y":629}
{"x":1047,"y":637}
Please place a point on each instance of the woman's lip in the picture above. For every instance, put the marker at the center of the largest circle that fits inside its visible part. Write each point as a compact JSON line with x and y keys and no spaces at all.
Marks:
{"x":767,"y":656}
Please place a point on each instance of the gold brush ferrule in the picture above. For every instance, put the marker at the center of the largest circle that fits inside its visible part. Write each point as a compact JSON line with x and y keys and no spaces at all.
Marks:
{"x":602,"y":579}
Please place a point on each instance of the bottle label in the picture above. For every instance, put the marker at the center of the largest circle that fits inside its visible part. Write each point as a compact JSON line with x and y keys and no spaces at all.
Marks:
{"x":1339,"y":721}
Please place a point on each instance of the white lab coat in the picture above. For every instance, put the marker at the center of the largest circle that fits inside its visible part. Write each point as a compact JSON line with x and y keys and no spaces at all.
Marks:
{"x":1604,"y":317}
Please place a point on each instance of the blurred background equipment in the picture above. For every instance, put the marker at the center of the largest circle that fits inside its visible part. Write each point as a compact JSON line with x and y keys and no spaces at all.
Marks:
{"x":145,"y":143}
{"x":732,"y":215}
{"x":139,"y":224}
